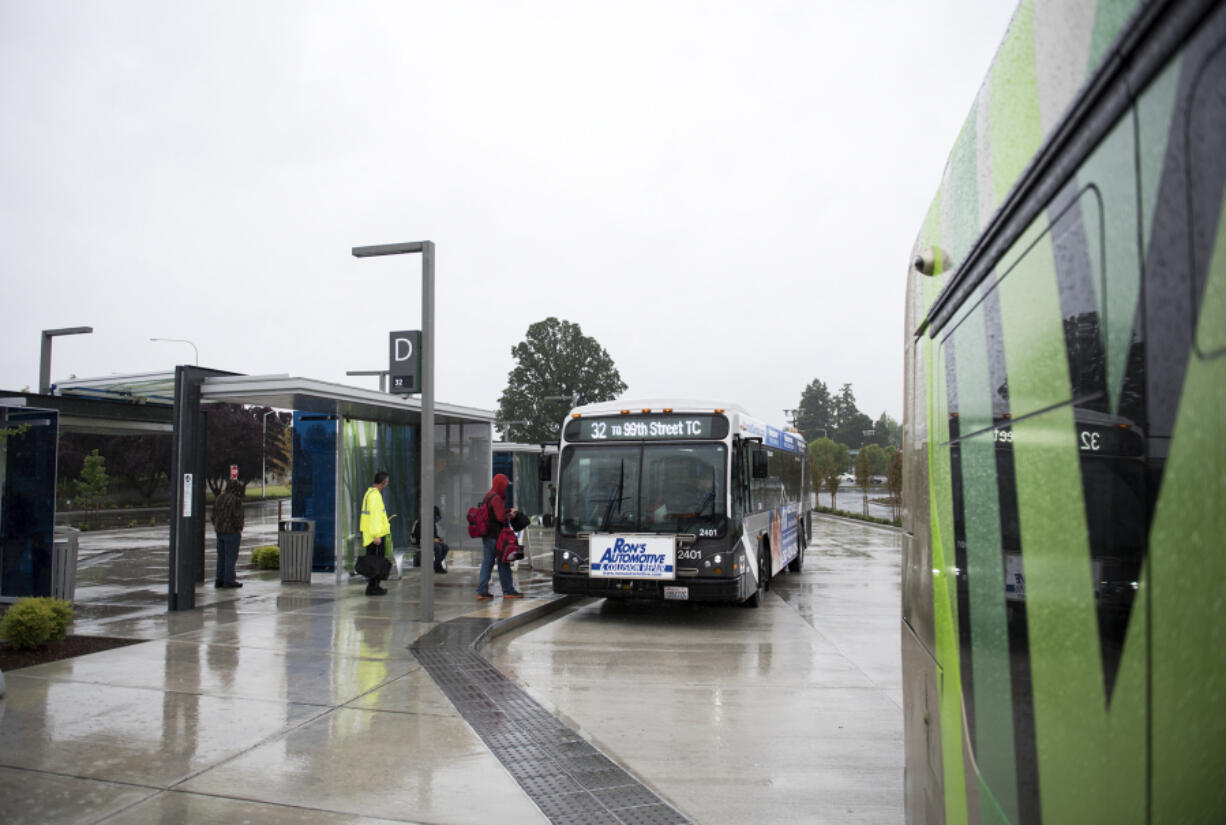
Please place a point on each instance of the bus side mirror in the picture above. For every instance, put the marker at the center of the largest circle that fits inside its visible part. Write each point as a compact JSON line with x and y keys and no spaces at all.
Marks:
{"x":759,"y":462}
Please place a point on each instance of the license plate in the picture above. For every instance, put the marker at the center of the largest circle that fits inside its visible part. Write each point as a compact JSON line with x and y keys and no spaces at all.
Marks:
{"x":680,"y":594}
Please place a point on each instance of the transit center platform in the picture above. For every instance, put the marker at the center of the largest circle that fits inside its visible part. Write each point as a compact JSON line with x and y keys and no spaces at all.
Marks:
{"x":297,"y":703}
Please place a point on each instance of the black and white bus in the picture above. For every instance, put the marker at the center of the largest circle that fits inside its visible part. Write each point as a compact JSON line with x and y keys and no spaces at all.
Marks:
{"x":679,"y":500}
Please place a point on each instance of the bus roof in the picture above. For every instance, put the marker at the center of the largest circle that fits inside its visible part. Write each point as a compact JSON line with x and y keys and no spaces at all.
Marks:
{"x":658,"y":405}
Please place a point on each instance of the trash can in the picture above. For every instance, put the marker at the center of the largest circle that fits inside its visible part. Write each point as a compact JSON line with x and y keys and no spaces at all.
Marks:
{"x":296,"y":544}
{"x":64,"y":563}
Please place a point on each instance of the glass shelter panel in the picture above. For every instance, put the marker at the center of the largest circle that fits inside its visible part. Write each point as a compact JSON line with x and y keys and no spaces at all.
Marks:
{"x":27,"y":501}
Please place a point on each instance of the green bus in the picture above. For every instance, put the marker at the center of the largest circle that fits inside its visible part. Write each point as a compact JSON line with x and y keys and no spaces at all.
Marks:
{"x":1064,"y":553}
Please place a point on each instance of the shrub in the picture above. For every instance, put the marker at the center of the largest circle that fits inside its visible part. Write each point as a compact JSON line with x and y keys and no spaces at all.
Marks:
{"x":267,"y":557}
{"x":858,"y":516}
{"x":32,"y":622}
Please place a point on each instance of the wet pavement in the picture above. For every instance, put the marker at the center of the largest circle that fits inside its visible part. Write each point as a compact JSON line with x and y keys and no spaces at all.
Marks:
{"x":304,"y":703}
{"x":788,"y":713}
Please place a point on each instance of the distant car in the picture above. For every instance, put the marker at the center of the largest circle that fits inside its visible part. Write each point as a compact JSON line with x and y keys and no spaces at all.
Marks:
{"x":848,"y":478}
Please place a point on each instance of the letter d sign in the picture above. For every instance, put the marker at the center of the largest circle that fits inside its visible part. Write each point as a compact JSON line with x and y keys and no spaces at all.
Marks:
{"x":404,"y":361}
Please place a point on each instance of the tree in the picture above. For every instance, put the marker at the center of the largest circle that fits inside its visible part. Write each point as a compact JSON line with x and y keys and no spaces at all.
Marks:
{"x":815,"y":415}
{"x":893,"y":479}
{"x":887,"y":431}
{"x":557,"y":367}
{"x":864,"y":473}
{"x":141,"y":460}
{"x":849,"y":423}
{"x":827,"y":461}
{"x":91,"y":486}
{"x":233,"y":438}
{"x":281,"y":448}
{"x":877,"y":460}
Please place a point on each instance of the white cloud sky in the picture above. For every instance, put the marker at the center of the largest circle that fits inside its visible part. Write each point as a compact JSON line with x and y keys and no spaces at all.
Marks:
{"x":723,"y":194}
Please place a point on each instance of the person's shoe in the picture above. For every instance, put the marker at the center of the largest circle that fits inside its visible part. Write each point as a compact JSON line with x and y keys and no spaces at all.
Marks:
{"x":484,"y":597}
{"x":219,"y":584}
{"x":439,"y":569}
{"x":376,"y":591}
{"x":234,"y":584}
{"x":515,"y":595}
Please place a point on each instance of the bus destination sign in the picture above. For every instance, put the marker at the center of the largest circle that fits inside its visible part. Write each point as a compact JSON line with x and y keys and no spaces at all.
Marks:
{"x":663,"y":427}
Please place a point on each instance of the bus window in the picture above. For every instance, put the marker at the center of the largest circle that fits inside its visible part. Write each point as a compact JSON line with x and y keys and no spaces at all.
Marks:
{"x":600,"y":490}
{"x":684,"y":489}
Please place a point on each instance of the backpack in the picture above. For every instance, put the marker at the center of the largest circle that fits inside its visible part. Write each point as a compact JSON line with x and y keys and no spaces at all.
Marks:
{"x":479,"y":519}
{"x":507,"y":548}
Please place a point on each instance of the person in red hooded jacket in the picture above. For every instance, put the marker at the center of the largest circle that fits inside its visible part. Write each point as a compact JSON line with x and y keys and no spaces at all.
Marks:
{"x":496,"y":501}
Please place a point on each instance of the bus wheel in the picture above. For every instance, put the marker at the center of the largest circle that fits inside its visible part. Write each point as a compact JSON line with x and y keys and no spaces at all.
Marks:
{"x":797,"y":564}
{"x":755,"y":599}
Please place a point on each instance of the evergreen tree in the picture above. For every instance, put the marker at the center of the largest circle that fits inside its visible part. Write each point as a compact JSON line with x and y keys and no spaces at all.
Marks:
{"x":814,"y":417}
{"x":92,"y":484}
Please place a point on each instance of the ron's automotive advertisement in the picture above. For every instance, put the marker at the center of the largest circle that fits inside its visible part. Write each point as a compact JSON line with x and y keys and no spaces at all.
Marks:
{"x":616,"y":556}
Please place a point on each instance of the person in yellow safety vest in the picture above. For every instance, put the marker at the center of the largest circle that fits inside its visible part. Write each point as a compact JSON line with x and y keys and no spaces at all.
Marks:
{"x":374,"y":526}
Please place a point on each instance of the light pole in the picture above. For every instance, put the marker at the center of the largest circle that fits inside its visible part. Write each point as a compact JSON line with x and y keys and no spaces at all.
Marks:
{"x":181,"y":341}
{"x":44,"y":358}
{"x":426,"y":248}
{"x":381,"y":373}
{"x":264,"y":452}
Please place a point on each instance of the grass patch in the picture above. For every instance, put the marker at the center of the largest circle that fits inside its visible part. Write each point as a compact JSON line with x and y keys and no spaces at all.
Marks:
{"x":858,"y":516}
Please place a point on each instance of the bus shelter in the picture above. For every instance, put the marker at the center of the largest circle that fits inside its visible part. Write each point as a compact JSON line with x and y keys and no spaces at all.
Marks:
{"x":342,"y":436}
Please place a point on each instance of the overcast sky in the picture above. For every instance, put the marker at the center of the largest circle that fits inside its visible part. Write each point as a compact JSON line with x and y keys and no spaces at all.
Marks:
{"x":723,"y":194}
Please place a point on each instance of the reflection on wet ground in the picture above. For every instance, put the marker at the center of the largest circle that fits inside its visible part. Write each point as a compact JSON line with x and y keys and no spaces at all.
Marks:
{"x":282,"y":703}
{"x":303,"y":703}
{"x":788,"y":713}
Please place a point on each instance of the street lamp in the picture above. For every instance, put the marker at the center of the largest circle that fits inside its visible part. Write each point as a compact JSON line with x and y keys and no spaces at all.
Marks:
{"x":181,"y":341}
{"x":426,"y":248}
{"x":44,"y":359}
{"x":264,"y":452}
{"x":381,"y":373}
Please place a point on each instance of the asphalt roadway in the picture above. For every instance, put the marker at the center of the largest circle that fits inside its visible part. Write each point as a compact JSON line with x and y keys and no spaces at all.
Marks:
{"x":314,"y":704}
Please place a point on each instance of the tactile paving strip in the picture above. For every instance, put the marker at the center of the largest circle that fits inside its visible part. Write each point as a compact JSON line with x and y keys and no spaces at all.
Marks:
{"x":569,"y":780}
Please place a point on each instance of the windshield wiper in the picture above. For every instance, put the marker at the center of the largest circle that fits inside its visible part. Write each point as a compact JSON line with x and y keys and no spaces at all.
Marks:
{"x":615,"y":496}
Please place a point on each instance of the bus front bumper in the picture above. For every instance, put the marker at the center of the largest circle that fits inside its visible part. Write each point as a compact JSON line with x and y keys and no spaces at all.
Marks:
{"x":690,"y":589}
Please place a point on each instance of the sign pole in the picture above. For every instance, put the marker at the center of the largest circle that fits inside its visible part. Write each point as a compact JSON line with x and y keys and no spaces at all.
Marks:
{"x":427,"y":431}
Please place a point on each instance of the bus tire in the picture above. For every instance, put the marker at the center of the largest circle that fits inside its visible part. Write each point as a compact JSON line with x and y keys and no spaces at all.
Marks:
{"x":797,"y":564}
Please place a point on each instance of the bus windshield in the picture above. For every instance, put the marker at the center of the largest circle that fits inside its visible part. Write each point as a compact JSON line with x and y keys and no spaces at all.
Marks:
{"x":654,"y":488}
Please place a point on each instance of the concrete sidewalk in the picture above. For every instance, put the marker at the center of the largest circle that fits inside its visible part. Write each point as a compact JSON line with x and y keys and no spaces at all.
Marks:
{"x":316,"y":704}
{"x":272,"y":703}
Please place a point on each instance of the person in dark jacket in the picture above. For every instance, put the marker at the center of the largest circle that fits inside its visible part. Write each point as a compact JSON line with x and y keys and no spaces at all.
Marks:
{"x":440,"y":547}
{"x":228,"y":522}
{"x":496,"y":501}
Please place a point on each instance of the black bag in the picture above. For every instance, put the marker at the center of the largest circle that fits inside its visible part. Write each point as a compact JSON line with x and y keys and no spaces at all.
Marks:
{"x":373,"y":566}
{"x":520,"y":521}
